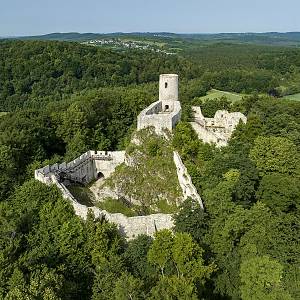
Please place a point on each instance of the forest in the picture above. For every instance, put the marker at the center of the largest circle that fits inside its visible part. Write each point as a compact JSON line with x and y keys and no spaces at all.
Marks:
{"x":61,"y":99}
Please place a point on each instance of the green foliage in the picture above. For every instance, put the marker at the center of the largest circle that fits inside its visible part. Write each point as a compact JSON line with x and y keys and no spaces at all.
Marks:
{"x":44,"y":284}
{"x":117,"y":206}
{"x":160,"y":251}
{"x":47,"y":71}
{"x":210,"y":106}
{"x":261,"y":279}
{"x":82,"y":194}
{"x":47,"y":252}
{"x":128,"y":287}
{"x":179,"y":261}
{"x":166,"y":208}
{"x":280,"y":192}
{"x":150,"y":181}
{"x":173,"y":287}
{"x":275,"y":154}
{"x":192,"y":219}
{"x":67,"y":98}
{"x":7,"y":170}
{"x":136,"y":259}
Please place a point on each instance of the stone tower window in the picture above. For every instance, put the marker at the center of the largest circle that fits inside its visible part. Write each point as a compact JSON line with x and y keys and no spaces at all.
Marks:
{"x":166,"y":107}
{"x":166,"y":85}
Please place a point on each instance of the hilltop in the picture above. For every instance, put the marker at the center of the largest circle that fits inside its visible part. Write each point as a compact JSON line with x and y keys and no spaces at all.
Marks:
{"x":266,"y":38}
{"x":54,"y":71}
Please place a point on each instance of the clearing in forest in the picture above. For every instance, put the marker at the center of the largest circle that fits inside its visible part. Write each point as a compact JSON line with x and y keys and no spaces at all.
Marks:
{"x":295,"y":97}
{"x":213,"y":94}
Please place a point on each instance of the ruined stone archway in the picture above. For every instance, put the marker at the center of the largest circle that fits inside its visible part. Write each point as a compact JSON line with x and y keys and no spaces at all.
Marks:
{"x":100,"y":175}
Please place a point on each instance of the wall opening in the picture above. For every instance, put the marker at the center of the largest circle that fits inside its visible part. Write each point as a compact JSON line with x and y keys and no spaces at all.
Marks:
{"x":100,"y":175}
{"x":166,"y":107}
{"x":166,"y":85}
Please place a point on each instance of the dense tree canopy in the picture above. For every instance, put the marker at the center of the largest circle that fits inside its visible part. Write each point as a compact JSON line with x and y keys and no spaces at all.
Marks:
{"x":65,"y":98}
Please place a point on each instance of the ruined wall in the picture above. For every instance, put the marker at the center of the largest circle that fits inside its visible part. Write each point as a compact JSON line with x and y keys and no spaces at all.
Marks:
{"x":208,"y":136}
{"x":185,"y":180}
{"x":106,"y":161}
{"x":153,"y":116}
{"x":85,"y":168}
{"x":218,"y":129}
{"x":131,"y":227}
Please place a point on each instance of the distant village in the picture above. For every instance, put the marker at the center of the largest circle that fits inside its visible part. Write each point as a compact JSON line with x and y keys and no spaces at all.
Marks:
{"x":126,"y":44}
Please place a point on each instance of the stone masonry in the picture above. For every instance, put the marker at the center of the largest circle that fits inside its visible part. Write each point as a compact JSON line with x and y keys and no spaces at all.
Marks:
{"x":165,"y":113}
{"x":162,"y":115}
{"x":217,"y":130}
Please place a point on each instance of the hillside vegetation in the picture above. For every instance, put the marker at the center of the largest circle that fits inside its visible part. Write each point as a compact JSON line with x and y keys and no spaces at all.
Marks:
{"x":150,"y":181}
{"x":243,"y":245}
{"x":267,"y":38}
{"x":34,"y":73}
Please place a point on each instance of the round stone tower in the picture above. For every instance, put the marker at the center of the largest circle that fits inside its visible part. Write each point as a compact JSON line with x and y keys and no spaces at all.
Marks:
{"x":168,"y":91}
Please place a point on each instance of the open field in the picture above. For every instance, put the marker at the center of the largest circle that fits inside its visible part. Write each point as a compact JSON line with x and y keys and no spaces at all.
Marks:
{"x":213,"y":94}
{"x":295,"y":97}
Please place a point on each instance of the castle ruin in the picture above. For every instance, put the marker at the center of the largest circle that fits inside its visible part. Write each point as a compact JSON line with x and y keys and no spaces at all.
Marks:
{"x":163,"y":115}
{"x":216,"y":130}
{"x":166,"y":112}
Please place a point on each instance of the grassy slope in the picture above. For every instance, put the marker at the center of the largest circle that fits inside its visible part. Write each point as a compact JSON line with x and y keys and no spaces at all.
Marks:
{"x":295,"y":97}
{"x":82,"y":194}
{"x":152,"y":179}
{"x":213,"y":94}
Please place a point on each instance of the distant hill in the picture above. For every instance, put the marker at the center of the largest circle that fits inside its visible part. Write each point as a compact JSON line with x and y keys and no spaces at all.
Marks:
{"x":268,"y":38}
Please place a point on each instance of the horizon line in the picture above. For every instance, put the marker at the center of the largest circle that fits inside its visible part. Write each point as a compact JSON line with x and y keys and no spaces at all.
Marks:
{"x":152,"y":32}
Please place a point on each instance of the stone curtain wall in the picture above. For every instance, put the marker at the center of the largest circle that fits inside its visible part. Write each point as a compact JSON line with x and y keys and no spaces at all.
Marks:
{"x":185,"y":180}
{"x":209,"y":137}
{"x":153,"y":116}
{"x":106,"y":162}
{"x":131,"y":227}
{"x":85,"y":168}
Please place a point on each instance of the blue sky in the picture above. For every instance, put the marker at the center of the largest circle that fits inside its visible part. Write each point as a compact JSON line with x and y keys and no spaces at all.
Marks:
{"x":30,"y":17}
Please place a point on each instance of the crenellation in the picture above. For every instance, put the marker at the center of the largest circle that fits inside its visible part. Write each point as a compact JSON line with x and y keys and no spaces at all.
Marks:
{"x":163,"y":114}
